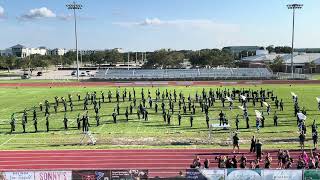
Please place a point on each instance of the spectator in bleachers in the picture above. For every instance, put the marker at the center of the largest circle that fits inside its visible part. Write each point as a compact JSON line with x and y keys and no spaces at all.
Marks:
{"x":267,"y":162}
{"x":287,"y":161}
{"x":311,"y":163}
{"x":206,"y":163}
{"x":257,"y":164}
{"x":234,"y":161}
{"x":243,"y":162}
{"x":300,"y":163}
{"x":252,"y":165}
{"x":305,"y":157}
{"x":316,"y":161}
{"x":229,"y":163}
{"x":196,"y":163}
{"x":280,"y":158}
{"x":221,"y":161}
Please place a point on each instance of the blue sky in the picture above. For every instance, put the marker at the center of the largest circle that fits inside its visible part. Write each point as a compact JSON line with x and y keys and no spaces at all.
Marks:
{"x":154,"y":24}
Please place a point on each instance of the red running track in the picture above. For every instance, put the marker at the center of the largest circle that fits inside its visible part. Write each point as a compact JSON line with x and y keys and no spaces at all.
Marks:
{"x":159,"y":162}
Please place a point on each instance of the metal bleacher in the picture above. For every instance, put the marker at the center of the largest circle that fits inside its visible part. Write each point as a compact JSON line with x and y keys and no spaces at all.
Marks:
{"x":194,"y":74}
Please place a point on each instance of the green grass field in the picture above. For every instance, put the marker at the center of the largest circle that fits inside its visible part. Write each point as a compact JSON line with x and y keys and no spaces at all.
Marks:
{"x":153,"y":133}
{"x":316,"y":76}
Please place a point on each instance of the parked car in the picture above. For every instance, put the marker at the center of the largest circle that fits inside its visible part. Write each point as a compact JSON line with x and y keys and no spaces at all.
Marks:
{"x":83,"y":74}
{"x":39,"y":73}
{"x":89,"y":73}
{"x":25,"y":76}
{"x":74,"y":73}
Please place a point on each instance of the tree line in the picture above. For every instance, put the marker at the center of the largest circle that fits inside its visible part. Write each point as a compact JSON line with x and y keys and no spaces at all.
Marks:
{"x":163,"y":58}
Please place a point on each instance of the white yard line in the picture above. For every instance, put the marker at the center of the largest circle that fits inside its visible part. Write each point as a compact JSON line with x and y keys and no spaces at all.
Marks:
{"x":8,"y":140}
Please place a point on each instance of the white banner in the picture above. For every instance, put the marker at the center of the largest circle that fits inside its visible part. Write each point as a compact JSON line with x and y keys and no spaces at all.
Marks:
{"x":213,"y":174}
{"x":24,"y":175}
{"x":53,"y":175}
{"x":233,"y":174}
{"x":282,"y":174}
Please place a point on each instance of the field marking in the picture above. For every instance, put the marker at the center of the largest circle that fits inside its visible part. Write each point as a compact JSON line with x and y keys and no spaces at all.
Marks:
{"x":8,"y":140}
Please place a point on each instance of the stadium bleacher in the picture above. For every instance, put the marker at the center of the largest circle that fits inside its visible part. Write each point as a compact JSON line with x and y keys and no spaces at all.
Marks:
{"x":167,"y":74}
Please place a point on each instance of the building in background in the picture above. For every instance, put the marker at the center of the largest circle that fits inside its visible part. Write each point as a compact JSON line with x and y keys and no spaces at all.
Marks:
{"x":303,"y":62}
{"x":21,"y":51}
{"x":6,"y":52}
{"x":58,"y":52}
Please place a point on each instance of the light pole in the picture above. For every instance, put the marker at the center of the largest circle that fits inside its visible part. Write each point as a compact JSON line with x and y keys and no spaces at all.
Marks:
{"x":74,"y":6}
{"x":293,"y":7}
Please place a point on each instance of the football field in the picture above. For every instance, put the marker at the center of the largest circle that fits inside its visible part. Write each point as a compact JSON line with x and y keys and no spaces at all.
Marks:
{"x":153,"y":133}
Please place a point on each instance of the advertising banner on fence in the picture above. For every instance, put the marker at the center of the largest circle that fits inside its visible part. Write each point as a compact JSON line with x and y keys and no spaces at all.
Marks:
{"x":282,"y":174}
{"x":110,"y":175}
{"x":311,"y":174}
{"x":194,"y":174}
{"x":213,"y":174}
{"x":23,"y":175}
{"x":248,"y":174}
{"x":91,"y":175}
{"x":53,"y":175}
{"x":129,"y":174}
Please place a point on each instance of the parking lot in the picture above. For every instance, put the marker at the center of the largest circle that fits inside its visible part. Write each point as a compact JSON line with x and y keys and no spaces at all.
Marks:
{"x":50,"y":74}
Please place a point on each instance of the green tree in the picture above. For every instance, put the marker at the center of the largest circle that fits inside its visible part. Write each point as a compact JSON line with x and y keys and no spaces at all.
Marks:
{"x":7,"y":62}
{"x":212,"y":57}
{"x":277,"y":64}
{"x":114,"y":56}
{"x":165,"y":59}
{"x":270,"y":48}
{"x":98,"y":58}
{"x":282,"y":49}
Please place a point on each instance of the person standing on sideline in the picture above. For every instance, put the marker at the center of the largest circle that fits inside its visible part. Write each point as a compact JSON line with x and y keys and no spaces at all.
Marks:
{"x":315,"y":139}
{"x":259,"y":149}
{"x":302,"y":138}
{"x":235,"y":142}
{"x":253,"y":144}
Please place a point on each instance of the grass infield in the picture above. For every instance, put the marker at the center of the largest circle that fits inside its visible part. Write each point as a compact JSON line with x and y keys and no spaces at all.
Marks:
{"x":153,"y":133}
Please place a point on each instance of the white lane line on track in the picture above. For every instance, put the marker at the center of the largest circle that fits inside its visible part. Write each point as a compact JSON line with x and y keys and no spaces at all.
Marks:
{"x":95,"y":164}
{"x":104,"y":160}
{"x":112,"y":153}
{"x":154,"y":169}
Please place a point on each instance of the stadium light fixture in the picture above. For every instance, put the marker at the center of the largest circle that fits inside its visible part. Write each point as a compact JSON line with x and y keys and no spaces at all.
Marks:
{"x":74,"y":6}
{"x":293,"y":7}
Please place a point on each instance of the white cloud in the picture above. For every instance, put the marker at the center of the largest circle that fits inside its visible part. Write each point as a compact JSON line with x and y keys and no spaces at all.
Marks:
{"x":182,"y":23}
{"x":38,"y":13}
{"x":1,"y":12}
